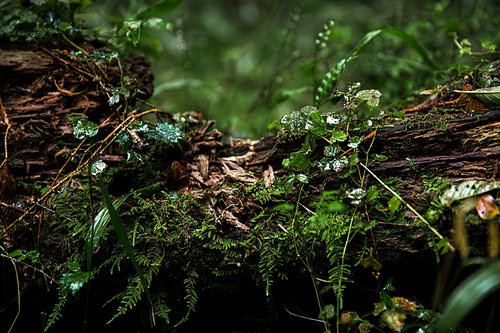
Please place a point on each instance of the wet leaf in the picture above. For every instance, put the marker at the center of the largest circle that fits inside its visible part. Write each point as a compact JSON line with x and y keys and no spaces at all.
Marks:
{"x":114,"y":99}
{"x":98,"y":167}
{"x":85,"y":129}
{"x":302,"y":178}
{"x":133,"y":31}
{"x":165,"y":132}
{"x":490,"y":96}
{"x":177,"y":178}
{"x":101,"y":221}
{"x":371,"y":96}
{"x":394,"y":204}
{"x":355,"y":141}
{"x":157,"y":23}
{"x":468,"y":295}
{"x":388,"y":285}
{"x":394,"y":320}
{"x":467,"y":189}
{"x":371,"y":193}
{"x":379,"y":157}
{"x":74,"y":280}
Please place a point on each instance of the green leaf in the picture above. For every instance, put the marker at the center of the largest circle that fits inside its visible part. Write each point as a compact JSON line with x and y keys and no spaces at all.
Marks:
{"x":286,"y":94}
{"x":97,"y":229}
{"x":73,"y":281}
{"x":371,"y":193}
{"x":338,"y":136}
{"x":355,"y":141}
{"x":302,"y":178}
{"x":490,"y":96}
{"x":98,"y":167}
{"x":468,"y":189}
{"x":298,"y":160}
{"x":288,"y":185}
{"x":468,"y":295}
{"x":285,"y":207}
{"x":85,"y":129}
{"x":394,"y":204}
{"x":161,"y":8}
{"x":114,"y":99}
{"x":386,"y":299}
{"x":123,"y":238}
{"x":317,"y":117}
{"x":353,"y":160}
{"x":371,"y":96}
{"x":379,"y":157}
{"x":388,"y":285}
{"x":133,"y":31}
{"x":412,"y":43}
{"x":165,"y":132}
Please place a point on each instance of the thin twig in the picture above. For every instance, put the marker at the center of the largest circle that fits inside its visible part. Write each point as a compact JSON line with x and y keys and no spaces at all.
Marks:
{"x":7,"y":122}
{"x":407,"y":205}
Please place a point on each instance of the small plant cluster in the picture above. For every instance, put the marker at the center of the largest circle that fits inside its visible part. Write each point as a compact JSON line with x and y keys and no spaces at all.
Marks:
{"x":36,"y":20}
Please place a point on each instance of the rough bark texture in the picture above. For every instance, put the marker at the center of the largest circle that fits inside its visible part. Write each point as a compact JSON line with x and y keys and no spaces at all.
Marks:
{"x":40,"y":87}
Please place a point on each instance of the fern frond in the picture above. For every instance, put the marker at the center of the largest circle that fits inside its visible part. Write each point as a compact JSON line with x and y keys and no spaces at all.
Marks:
{"x":130,"y":298}
{"x":160,"y":307}
{"x":191,"y":297}
{"x":56,"y":311}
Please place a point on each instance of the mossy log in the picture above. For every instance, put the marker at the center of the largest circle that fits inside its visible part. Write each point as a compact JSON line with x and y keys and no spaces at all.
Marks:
{"x":40,"y":86}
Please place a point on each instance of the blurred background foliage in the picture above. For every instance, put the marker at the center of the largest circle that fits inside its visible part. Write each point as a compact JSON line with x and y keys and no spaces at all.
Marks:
{"x":246,"y":63}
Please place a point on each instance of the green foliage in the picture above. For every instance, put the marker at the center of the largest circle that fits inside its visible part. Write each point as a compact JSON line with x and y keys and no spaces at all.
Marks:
{"x":36,"y":20}
{"x":42,"y":18}
{"x":140,"y":135}
{"x":468,"y":295}
{"x":130,"y":299}
{"x":333,"y":76}
{"x":56,"y":311}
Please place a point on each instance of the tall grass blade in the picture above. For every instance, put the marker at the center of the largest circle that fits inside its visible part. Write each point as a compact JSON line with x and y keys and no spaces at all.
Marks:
{"x":333,"y":76}
{"x":99,"y":225}
{"x":468,"y":295}
{"x":123,"y":238}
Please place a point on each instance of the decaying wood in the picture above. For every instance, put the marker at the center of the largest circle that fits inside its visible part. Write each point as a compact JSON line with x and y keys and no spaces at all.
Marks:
{"x":40,"y":87}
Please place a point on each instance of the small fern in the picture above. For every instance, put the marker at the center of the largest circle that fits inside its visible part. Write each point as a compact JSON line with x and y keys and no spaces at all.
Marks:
{"x":160,"y":307}
{"x":130,"y":297}
{"x":56,"y":311}
{"x":191,"y":297}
